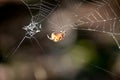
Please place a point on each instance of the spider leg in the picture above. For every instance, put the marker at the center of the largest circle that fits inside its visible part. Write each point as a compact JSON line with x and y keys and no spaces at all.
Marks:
{"x":49,"y":37}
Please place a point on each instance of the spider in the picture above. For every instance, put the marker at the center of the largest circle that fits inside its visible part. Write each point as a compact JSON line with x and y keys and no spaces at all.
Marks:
{"x":57,"y":37}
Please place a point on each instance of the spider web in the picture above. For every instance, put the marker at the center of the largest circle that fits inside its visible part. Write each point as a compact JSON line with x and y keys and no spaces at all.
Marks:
{"x":103,"y":19}
{"x":42,"y":9}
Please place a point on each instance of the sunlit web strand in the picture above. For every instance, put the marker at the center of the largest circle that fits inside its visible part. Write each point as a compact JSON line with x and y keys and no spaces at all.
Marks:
{"x":99,"y":14}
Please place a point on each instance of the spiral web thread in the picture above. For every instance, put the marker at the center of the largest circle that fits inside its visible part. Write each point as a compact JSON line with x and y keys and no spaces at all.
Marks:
{"x":105,"y":18}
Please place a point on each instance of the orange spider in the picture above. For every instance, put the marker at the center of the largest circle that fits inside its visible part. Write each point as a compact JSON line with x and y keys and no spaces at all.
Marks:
{"x":56,"y":37}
